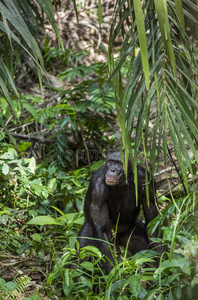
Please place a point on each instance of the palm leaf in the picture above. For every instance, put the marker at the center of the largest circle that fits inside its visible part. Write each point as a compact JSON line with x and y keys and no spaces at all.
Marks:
{"x":173,"y":88}
{"x":142,"y":39}
{"x":48,"y":9}
{"x":24,"y":28}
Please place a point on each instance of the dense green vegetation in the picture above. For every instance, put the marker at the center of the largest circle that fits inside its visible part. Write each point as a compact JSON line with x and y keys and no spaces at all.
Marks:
{"x":53,"y":136}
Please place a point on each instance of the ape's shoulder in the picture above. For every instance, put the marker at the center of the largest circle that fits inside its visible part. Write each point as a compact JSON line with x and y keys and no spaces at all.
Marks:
{"x":99,"y":174}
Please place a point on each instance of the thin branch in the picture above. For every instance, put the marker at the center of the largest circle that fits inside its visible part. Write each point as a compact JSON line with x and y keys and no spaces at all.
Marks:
{"x":32,"y":138}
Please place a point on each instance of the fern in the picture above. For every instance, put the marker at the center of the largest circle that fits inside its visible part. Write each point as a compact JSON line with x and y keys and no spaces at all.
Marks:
{"x":22,"y":283}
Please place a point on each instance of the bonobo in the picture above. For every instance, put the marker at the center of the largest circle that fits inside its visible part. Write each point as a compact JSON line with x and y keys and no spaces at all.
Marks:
{"x":110,"y":205}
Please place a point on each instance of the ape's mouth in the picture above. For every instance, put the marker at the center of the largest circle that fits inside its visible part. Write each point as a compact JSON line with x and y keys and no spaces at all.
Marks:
{"x":111,"y":181}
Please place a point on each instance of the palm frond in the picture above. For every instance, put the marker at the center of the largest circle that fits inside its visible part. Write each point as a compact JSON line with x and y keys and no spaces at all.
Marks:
{"x":18,"y":24}
{"x":172,"y":60}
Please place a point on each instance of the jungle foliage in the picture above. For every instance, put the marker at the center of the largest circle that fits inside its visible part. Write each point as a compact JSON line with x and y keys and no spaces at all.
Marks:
{"x":52,"y":140}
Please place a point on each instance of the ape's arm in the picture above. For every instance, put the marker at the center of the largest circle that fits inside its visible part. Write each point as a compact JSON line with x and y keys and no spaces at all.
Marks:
{"x":99,"y":210}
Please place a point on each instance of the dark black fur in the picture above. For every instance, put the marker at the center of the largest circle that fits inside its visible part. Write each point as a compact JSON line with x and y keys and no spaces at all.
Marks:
{"x":110,"y":200}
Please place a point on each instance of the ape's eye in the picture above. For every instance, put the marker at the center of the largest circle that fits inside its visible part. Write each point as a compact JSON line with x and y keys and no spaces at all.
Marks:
{"x":110,"y":162}
{"x":119,"y":164}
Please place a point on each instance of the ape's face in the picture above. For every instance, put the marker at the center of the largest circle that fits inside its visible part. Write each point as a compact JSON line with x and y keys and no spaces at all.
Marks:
{"x":114,"y":171}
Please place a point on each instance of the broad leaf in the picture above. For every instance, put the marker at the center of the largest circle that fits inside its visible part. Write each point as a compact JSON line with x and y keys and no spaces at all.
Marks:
{"x":44,"y":220}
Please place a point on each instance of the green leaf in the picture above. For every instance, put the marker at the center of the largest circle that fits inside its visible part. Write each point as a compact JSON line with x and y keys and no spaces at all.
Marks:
{"x":170,"y":295}
{"x":123,"y":297}
{"x":8,"y":77}
{"x":44,"y":220}
{"x":93,"y":250}
{"x":99,"y":12}
{"x":3,"y":105}
{"x":167,"y":234}
{"x":10,"y":286}
{"x":30,"y":109}
{"x":6,"y":130}
{"x":150,"y":296}
{"x":160,"y":297}
{"x":52,"y":184}
{"x":62,"y":213}
{"x":178,"y":292}
{"x":142,"y":39}
{"x":76,"y":11}
{"x":13,"y":15}
{"x":6,"y":91}
{"x":11,"y":154}
{"x":45,"y":194}
{"x":5,"y":169}
{"x":48,"y":9}
{"x":179,"y":10}
{"x":2,"y":282}
{"x":24,"y":247}
{"x":116,"y":285}
{"x":67,"y":282}
{"x":24,"y":146}
{"x":135,"y":286}
{"x":32,"y":164}
{"x":162,"y":16}
{"x":36,"y":237}
{"x":76,"y":182}
{"x":87,"y":265}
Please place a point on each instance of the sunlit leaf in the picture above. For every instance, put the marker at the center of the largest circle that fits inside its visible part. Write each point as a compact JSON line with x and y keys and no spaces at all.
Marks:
{"x":162,"y":15}
{"x":5,"y":169}
{"x":43,"y":220}
{"x":142,"y":39}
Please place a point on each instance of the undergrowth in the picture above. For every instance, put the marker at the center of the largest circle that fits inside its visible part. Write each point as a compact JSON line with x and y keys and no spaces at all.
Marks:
{"x":41,"y":214}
